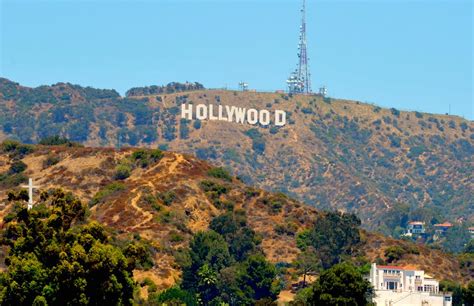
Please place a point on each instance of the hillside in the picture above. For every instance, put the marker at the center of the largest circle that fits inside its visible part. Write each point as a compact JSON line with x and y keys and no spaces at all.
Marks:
{"x":385,"y":165}
{"x":168,"y":199}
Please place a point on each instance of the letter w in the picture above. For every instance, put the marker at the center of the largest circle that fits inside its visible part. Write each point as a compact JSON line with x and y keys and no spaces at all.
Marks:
{"x":240,"y":115}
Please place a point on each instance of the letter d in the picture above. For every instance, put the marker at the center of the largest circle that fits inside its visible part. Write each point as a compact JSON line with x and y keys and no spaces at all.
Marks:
{"x":280,"y":118}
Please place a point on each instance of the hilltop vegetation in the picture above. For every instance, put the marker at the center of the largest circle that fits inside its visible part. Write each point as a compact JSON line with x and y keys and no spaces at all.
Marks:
{"x":168,"y":89}
{"x":387,"y":166}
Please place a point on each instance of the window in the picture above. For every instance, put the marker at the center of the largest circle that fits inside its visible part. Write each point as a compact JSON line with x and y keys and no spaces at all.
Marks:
{"x":447,"y":298}
{"x":392,"y":285}
{"x":429,"y":288}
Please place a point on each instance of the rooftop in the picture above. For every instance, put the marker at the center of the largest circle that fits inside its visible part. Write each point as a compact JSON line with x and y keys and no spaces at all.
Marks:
{"x":416,"y":223}
{"x":404,"y":268}
{"x":445,"y":224}
{"x":391,"y":267}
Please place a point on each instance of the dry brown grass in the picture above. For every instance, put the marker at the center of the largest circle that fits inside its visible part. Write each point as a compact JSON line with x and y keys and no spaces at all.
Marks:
{"x":84,"y":171}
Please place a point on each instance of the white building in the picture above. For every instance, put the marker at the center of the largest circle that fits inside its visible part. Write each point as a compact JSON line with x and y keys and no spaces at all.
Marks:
{"x":415,"y":228}
{"x":396,"y":285}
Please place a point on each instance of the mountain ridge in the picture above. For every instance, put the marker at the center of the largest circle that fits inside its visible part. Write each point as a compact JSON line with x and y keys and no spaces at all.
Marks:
{"x":166,"y":200}
{"x":363,"y":158}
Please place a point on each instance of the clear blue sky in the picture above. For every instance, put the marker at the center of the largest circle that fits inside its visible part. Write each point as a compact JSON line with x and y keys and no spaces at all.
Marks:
{"x":406,"y":54}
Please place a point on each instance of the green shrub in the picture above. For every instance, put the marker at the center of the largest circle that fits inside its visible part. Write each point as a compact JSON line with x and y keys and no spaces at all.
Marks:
{"x":163,"y":147}
{"x":139,"y":255}
{"x":51,"y":160}
{"x":394,"y":253}
{"x":213,"y":189}
{"x":144,"y":157}
{"x":395,"y":112}
{"x":106,"y":192}
{"x":183,"y":129}
{"x":152,"y":288}
{"x":220,"y":173}
{"x":286,"y":229}
{"x":251,"y":192}
{"x":17,"y":167}
{"x":165,"y":217}
{"x":395,"y":141}
{"x":176,"y":237}
{"x":12,"y":180}
{"x":275,"y":204}
{"x":274,"y":130}
{"x":197,"y":124}
{"x":151,"y":201}
{"x":416,"y":151}
{"x":57,"y":141}
{"x":10,"y":145}
{"x":167,"y":197}
{"x":146,"y":282}
{"x":156,"y":155}
{"x":122,"y":172}
{"x":16,"y":149}
{"x":302,"y":239}
{"x":258,"y":145}
{"x":174,"y":296}
{"x":253,"y":133}
{"x":231,"y":154}
{"x":139,"y":154}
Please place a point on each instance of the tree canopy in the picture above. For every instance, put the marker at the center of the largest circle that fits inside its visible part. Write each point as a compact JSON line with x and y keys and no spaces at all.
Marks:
{"x":332,"y":236}
{"x":225,"y":265}
{"x":341,"y":285}
{"x":57,"y":257}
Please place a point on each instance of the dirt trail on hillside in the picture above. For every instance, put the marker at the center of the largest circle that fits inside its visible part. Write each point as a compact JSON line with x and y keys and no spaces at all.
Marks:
{"x":171,"y":169}
{"x":179,"y":159}
{"x":147,"y":180}
{"x":148,"y":216}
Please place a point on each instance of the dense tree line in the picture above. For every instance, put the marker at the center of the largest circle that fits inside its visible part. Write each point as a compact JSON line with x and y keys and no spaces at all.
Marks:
{"x":225,"y":265}
{"x":167,"y":89}
{"x":57,"y":256}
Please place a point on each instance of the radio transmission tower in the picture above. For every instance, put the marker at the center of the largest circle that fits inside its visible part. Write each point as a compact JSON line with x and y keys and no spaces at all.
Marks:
{"x":300,"y":80}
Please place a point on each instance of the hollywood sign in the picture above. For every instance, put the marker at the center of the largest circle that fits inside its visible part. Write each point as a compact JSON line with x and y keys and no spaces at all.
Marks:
{"x":233,"y":114}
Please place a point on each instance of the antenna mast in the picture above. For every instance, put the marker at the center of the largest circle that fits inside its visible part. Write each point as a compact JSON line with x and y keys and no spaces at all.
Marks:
{"x":300,"y":80}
